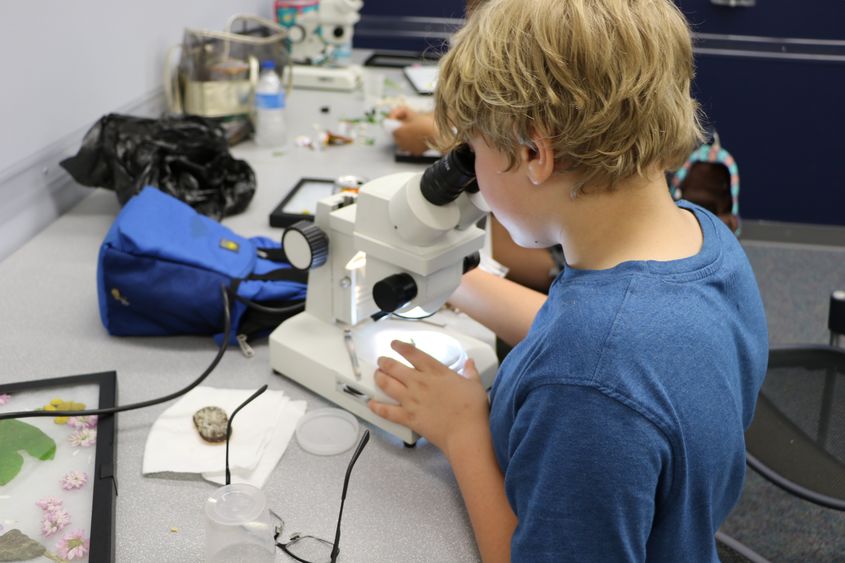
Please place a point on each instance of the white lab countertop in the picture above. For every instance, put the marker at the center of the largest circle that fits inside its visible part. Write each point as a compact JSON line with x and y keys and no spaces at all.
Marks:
{"x":403,"y":503}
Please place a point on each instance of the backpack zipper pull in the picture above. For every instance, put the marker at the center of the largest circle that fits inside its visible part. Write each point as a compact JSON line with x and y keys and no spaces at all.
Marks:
{"x":246,"y":349}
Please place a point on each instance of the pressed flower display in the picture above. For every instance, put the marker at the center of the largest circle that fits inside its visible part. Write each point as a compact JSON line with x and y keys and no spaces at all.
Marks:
{"x":47,"y":472}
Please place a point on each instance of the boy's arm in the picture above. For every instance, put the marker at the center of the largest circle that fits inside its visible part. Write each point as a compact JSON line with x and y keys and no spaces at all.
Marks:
{"x":416,"y":130}
{"x":452,"y":412}
{"x":503,"y":306}
{"x":483,"y":490}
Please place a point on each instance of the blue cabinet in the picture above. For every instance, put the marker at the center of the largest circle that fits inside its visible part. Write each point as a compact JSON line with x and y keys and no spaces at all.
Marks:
{"x":771,"y":79}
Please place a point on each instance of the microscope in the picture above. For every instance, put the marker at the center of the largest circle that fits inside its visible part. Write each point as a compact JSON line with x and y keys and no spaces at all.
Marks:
{"x":320,"y":36}
{"x":380,"y":262}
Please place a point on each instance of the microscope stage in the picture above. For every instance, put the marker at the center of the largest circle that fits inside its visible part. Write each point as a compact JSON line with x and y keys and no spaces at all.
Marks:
{"x":315,"y":354}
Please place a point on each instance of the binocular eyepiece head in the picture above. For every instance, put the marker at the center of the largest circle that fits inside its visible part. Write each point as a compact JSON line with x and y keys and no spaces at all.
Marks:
{"x":443,"y":181}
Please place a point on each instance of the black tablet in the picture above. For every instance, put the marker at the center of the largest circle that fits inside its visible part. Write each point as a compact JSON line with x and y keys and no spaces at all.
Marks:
{"x":428,"y":157}
{"x":423,"y":78}
{"x":301,"y":201}
{"x":400,"y":59}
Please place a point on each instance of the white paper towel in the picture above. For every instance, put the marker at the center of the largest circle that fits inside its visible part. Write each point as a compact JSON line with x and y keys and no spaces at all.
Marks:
{"x":292,"y":411}
{"x":261,"y":429}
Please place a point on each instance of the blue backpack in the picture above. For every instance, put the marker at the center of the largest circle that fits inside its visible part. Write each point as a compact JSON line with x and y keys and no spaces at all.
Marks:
{"x":162,"y":265}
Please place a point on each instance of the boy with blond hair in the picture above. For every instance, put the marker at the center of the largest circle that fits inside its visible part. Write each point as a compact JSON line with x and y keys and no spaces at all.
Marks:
{"x":614,"y":430}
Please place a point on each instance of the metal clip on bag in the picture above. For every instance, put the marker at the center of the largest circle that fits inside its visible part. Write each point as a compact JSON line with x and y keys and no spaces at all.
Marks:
{"x":161,"y":266}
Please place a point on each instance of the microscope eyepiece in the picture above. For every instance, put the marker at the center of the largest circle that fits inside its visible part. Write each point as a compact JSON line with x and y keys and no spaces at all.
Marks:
{"x":443,"y":181}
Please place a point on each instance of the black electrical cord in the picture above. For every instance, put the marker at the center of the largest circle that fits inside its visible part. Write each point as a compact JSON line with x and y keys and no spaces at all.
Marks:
{"x":295,"y":308}
{"x":227,"y":327}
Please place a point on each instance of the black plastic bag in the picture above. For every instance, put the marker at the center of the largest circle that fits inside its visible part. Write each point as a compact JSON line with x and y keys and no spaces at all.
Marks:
{"x":186,"y":157}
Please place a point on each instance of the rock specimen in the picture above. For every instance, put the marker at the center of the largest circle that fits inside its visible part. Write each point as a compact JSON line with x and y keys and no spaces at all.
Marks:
{"x":211,"y":422}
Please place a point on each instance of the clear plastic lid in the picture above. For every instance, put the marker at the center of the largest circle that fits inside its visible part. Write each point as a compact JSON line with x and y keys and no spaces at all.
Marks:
{"x":236,"y":504}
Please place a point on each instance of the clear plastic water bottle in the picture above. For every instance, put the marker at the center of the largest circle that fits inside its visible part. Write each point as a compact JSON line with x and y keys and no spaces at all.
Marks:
{"x":269,"y":123}
{"x":343,"y":54}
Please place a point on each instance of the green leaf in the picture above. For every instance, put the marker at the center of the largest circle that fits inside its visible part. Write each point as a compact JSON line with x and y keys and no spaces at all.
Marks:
{"x":10,"y":465}
{"x":16,"y":436}
{"x":17,"y":546}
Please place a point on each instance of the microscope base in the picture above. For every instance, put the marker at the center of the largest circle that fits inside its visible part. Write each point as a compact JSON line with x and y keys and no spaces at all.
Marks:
{"x":341,"y":79}
{"x":314,"y":354}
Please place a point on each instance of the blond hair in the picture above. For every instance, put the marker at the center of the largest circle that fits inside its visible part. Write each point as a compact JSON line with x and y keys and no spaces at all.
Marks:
{"x":606,"y":81}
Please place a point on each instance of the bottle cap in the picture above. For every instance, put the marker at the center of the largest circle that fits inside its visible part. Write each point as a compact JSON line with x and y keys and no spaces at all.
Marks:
{"x":268,"y":63}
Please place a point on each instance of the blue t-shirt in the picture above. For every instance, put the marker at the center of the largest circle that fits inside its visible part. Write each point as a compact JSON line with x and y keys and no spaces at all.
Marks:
{"x":618,"y":421}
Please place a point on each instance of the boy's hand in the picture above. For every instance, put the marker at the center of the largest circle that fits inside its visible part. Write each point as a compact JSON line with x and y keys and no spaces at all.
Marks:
{"x":401,"y":113}
{"x":434,"y":401}
{"x":415,"y":132}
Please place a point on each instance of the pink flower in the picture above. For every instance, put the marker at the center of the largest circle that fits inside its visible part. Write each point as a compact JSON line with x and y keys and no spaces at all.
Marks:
{"x":74,"y":545}
{"x":50,"y":504}
{"x":4,"y":398}
{"x":82,"y":422}
{"x":74,"y":480}
{"x":53,"y":521}
{"x":83,"y":438}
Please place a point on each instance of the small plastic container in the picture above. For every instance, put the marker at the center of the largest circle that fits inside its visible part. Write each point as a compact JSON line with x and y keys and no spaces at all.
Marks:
{"x":238,"y":527}
{"x":270,"y":128}
{"x":373,"y":87}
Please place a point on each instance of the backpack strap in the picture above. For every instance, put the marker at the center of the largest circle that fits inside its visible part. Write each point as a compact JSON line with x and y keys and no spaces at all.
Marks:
{"x":259,"y":316}
{"x":713,"y":153}
{"x":272,"y":254}
{"x":281,"y":274}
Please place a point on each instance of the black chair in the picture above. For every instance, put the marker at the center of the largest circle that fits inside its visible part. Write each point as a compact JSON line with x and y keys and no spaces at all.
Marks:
{"x":732,"y":551}
{"x":797,"y":437}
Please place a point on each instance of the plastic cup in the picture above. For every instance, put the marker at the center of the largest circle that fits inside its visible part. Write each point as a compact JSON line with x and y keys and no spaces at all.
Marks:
{"x":373,"y":85}
{"x":238,"y":527}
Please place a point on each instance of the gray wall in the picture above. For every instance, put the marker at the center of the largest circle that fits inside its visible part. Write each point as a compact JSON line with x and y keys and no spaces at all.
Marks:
{"x":65,"y":64}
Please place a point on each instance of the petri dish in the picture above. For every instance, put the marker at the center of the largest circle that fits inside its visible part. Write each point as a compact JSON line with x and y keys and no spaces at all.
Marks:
{"x":327,"y":431}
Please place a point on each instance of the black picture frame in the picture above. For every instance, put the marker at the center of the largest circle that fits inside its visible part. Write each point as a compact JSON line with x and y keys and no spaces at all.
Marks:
{"x":104,"y":481}
{"x":281,"y":218}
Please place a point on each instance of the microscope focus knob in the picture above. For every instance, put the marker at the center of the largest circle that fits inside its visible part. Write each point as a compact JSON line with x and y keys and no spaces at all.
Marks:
{"x":394,"y":292}
{"x":306,"y":245}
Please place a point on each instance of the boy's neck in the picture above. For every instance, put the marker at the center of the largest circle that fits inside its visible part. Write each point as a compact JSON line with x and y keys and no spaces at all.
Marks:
{"x":638,"y":220}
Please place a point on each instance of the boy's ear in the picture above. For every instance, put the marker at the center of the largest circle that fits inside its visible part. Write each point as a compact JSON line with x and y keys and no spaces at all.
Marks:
{"x":539,"y":159}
